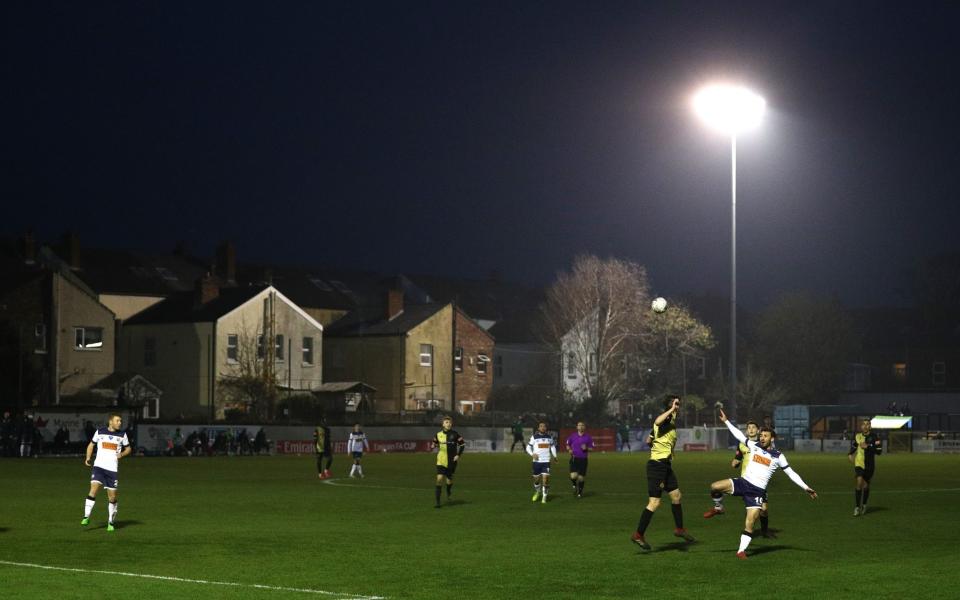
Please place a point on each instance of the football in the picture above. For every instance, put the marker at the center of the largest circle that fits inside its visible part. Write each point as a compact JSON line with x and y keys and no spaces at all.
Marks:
{"x":659,"y":305}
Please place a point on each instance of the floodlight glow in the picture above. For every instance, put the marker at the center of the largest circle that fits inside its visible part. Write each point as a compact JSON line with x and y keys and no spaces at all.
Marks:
{"x":729,"y":108}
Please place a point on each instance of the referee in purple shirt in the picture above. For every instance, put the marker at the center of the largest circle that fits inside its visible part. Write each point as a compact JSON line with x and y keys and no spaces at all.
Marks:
{"x":578,"y":445}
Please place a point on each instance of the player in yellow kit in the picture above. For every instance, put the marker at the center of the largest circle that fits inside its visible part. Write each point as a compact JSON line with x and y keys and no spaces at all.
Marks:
{"x":865,"y":446}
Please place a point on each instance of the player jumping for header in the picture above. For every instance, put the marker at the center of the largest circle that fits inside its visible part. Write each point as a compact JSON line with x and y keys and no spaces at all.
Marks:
{"x":752,"y":486}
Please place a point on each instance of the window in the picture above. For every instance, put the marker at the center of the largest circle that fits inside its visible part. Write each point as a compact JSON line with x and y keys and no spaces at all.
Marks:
{"x":261,"y":351}
{"x":308,"y":351}
{"x":88,"y":338}
{"x":593,"y":363}
{"x":900,"y":372}
{"x":40,"y":338}
{"x":498,"y":365}
{"x":280,"y":357}
{"x":458,"y":360}
{"x":233,"y":348}
{"x":482,"y":360}
{"x":939,"y":373}
{"x":151,"y":408}
{"x":426,"y":355}
{"x":571,"y":366}
{"x":150,"y":352}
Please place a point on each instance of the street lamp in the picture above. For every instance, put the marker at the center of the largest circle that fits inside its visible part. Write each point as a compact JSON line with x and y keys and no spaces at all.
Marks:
{"x":730,"y":109}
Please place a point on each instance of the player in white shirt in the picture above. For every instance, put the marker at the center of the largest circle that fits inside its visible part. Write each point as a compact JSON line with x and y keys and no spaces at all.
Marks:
{"x":356,"y":444}
{"x":752,"y":484}
{"x":542,"y":448}
{"x":111,"y":444}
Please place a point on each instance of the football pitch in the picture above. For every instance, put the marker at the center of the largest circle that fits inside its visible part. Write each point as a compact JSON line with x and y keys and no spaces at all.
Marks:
{"x":266,"y":527}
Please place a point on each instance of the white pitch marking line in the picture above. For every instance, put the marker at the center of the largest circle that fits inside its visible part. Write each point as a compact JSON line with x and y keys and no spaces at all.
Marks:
{"x":338,"y":483}
{"x":259,"y":586}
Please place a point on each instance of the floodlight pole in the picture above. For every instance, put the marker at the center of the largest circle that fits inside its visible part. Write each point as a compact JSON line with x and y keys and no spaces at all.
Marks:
{"x":733,"y":276}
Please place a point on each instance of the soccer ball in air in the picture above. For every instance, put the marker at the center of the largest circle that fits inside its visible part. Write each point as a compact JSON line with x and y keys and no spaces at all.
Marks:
{"x":659,"y":305}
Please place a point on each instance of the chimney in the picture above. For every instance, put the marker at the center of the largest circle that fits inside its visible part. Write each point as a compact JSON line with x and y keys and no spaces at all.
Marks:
{"x":28,"y":248}
{"x":394,"y":303}
{"x":227,"y":262}
{"x":71,"y":243}
{"x":206,"y":290}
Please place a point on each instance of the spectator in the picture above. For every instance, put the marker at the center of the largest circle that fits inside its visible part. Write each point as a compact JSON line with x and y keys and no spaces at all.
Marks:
{"x":178,"y":449}
{"x":260,"y":441}
{"x":204,"y":442}
{"x":25,"y":433}
{"x":244,"y":439}
{"x":905,"y":412}
{"x":8,"y":430}
{"x":517,"y":429}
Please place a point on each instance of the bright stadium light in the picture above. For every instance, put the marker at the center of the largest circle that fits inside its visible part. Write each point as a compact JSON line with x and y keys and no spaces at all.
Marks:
{"x":731,"y":109}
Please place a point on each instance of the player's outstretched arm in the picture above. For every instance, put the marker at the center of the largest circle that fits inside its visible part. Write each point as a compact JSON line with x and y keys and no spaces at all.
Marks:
{"x":667,"y":413}
{"x":733,"y":429}
{"x":795,"y":477}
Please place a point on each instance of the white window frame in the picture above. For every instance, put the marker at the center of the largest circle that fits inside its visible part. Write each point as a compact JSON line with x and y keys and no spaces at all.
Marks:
{"x":939,"y":373}
{"x":307,"y":352}
{"x":261,"y":347}
{"x":83,"y":347}
{"x":458,"y":359}
{"x":40,"y":338}
{"x":279,"y":352}
{"x":426,"y":358}
{"x":571,"y":365}
{"x":482,"y":364}
{"x":153,"y":403}
{"x":235,"y":346}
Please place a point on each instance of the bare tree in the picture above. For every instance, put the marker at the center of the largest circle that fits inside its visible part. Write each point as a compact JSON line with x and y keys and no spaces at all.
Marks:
{"x":251,"y":384}
{"x":594,"y":315}
{"x":598,"y":317}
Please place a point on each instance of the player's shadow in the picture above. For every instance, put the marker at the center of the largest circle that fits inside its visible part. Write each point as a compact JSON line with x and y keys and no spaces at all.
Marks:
{"x":773,"y":548}
{"x":4,"y":529}
{"x":674,"y":546}
{"x":874,"y":509}
{"x":456,"y":502}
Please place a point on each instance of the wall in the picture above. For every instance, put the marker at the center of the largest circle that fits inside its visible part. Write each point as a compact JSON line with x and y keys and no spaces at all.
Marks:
{"x":248,"y":322}
{"x":125,"y":307}
{"x":78,"y":369}
{"x":471,"y":384}
{"x":374,"y":360}
{"x":182,"y":369}
{"x":422,"y":383}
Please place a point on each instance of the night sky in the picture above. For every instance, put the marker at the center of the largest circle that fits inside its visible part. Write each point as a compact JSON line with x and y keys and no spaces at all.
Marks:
{"x":463,"y":138}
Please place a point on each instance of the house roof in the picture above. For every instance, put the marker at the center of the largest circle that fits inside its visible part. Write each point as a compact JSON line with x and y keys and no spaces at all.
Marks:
{"x":363,"y":323}
{"x":487,"y":299}
{"x":343,"y":386}
{"x":110,"y":271}
{"x":182,"y":307}
{"x":306,"y":287}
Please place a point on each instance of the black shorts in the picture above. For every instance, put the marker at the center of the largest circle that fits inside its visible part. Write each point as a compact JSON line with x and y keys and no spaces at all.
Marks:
{"x":867,"y":473}
{"x":447,"y":471}
{"x":578,"y":465}
{"x":660,"y":478}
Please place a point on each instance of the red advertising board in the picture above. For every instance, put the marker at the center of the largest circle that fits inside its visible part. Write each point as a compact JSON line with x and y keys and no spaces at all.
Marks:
{"x":604,"y":440}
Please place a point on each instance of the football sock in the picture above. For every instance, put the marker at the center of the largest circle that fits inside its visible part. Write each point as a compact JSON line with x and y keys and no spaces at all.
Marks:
{"x":858,"y":494}
{"x":764,"y":523}
{"x":573,"y":482}
{"x":360,"y":470}
{"x":745,"y":539}
{"x":546,"y":489}
{"x":111,"y":511}
{"x":717,"y":498}
{"x":866,"y":494}
{"x":677,"y":515}
{"x":580,"y":486}
{"x":644,"y":520}
{"x":88,"y":507}
{"x":449,"y":488}
{"x":437,"y":493}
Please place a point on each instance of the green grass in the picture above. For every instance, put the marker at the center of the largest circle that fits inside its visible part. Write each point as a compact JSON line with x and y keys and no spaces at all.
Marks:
{"x":269,"y":521}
